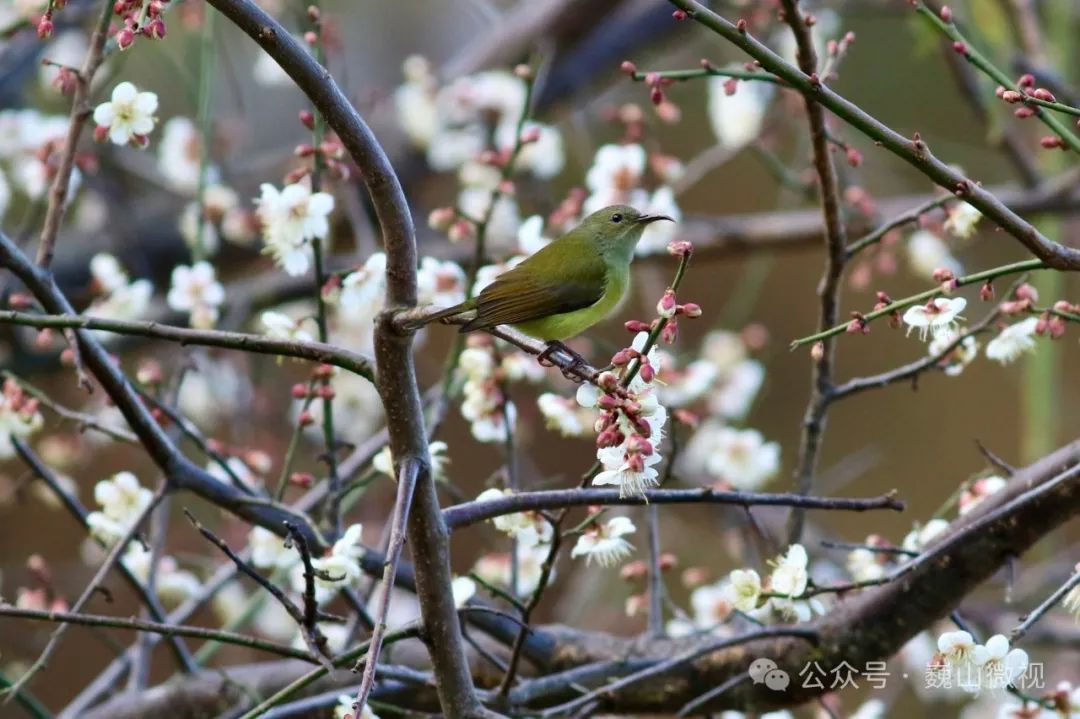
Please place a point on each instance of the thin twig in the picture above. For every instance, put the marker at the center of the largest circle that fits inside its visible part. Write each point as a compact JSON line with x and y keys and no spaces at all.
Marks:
{"x":162,"y":628}
{"x":407,"y":477}
{"x":462,"y":515}
{"x":1036,"y":614}
{"x":821,"y":381}
{"x":261,"y":344}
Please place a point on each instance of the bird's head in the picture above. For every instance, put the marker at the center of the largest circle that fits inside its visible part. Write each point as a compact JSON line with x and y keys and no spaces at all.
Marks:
{"x":618,"y":227}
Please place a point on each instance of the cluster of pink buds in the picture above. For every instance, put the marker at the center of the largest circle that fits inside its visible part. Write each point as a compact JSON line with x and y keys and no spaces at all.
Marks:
{"x":945,"y":277}
{"x":1026,"y":92}
{"x":857,"y":326}
{"x":1024,"y":299}
{"x":1052,"y":322}
{"x":139,"y":18}
{"x":665,"y":108}
{"x":16,"y":401}
{"x":42,"y":596}
{"x":330,"y":151}
{"x":836,"y":48}
{"x":668,"y":310}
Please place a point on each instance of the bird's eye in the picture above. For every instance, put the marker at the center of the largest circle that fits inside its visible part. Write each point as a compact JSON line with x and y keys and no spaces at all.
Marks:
{"x":616,"y":217}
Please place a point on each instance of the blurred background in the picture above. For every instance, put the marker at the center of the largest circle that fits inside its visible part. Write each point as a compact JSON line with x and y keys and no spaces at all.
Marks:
{"x":917,"y":439}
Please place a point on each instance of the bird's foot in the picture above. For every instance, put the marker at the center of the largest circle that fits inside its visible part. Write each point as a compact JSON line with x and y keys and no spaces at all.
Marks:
{"x":571,"y":371}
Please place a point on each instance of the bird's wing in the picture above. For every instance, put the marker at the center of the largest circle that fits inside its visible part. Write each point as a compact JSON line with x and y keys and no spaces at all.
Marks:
{"x":543,"y":285}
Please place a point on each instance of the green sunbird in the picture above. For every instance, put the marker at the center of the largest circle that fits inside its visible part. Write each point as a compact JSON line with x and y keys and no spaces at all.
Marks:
{"x":566,"y":287}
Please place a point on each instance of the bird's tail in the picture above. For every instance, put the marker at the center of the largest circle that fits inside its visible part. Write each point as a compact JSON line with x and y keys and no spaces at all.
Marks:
{"x":442,"y":314}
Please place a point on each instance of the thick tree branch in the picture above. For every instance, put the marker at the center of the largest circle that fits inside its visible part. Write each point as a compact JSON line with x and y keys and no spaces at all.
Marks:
{"x":393,"y":349}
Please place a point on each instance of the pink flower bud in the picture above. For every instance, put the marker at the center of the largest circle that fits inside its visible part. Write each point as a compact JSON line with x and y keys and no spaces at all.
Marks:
{"x":960,"y":47}
{"x":125,"y":38}
{"x":460,"y":230}
{"x":741,"y":25}
{"x":648,"y":374}
{"x":636,"y":326}
{"x":101,"y":132}
{"x":156,"y":29}
{"x":656,"y":96}
{"x":1051,"y":142}
{"x":523,"y":71}
{"x":1024,"y":112}
{"x":1056,"y":326}
{"x":679,"y":15}
{"x":307,"y":119}
{"x":942,"y":274}
{"x":608,"y":402}
{"x":311,"y":37}
{"x":854,"y":157}
{"x":1041,"y":325}
{"x":20,"y":301}
{"x":1026,"y":80}
{"x":1043,"y":94}
{"x":299,"y":391}
{"x":999,"y":92}
{"x":945,"y":13}
{"x":691,"y":310}
{"x":680,"y":248}
{"x":622,"y":357}
{"x":607,"y":382}
{"x":1011,"y":96}
{"x":635,"y":463}
{"x":1027,"y":292}
{"x":610,"y":437}
{"x":670,"y":333}
{"x":531,"y":134}
{"x":817,"y":352}
{"x":45,"y":27}
{"x":1014,"y":307}
{"x":986,"y":292}
{"x":667,"y":304}
{"x":302,"y":479}
{"x":441,"y":218}
{"x":628,"y":67}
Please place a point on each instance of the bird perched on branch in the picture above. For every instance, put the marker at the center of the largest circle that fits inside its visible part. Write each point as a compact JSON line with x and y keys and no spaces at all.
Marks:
{"x":567,"y":286}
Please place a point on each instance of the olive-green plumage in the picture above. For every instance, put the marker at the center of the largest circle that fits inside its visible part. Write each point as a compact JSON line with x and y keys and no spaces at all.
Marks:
{"x":569,"y":285}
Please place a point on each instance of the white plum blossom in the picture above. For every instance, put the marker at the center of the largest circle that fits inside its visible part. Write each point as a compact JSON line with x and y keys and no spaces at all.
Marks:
{"x":195,"y":289}
{"x":496,"y":569}
{"x":936,"y":317}
{"x":440,"y":282}
{"x":956,"y":652}
{"x":118,"y":297}
{"x":604,"y":542}
{"x":491,"y":415}
{"x":122,"y":500}
{"x":711,"y":604}
{"x":345,"y":705}
{"x":238,"y":468}
{"x":529,"y":529}
{"x":962,"y":220}
{"x":961,"y":356}
{"x":789,"y":575}
{"x":615,"y":177}
{"x":339,"y":568}
{"x":503,"y":218}
{"x":680,"y":388}
{"x":280,"y":326}
{"x":530,"y":237}
{"x":744,"y":589}
{"x":291,"y":218}
{"x":566,"y":416}
{"x":1013,"y":341}
{"x":19,"y":417}
{"x":269,"y":551}
{"x":1000,"y":666}
{"x":737,"y":118}
{"x":1071,"y":602}
{"x":463,"y":589}
{"x":919,"y":537}
{"x":741,"y":458}
{"x":736,"y":389}
{"x":129,"y":114}
{"x":179,"y":154}
{"x":865,"y":565}
{"x":173,"y":585}
{"x":927,"y":252}
{"x":543,"y":157}
{"x":383,"y":462}
{"x":414,"y":101}
{"x":979,"y":491}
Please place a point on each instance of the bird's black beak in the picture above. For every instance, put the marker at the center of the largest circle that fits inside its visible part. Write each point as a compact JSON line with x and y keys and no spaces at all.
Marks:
{"x":649,"y":219}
